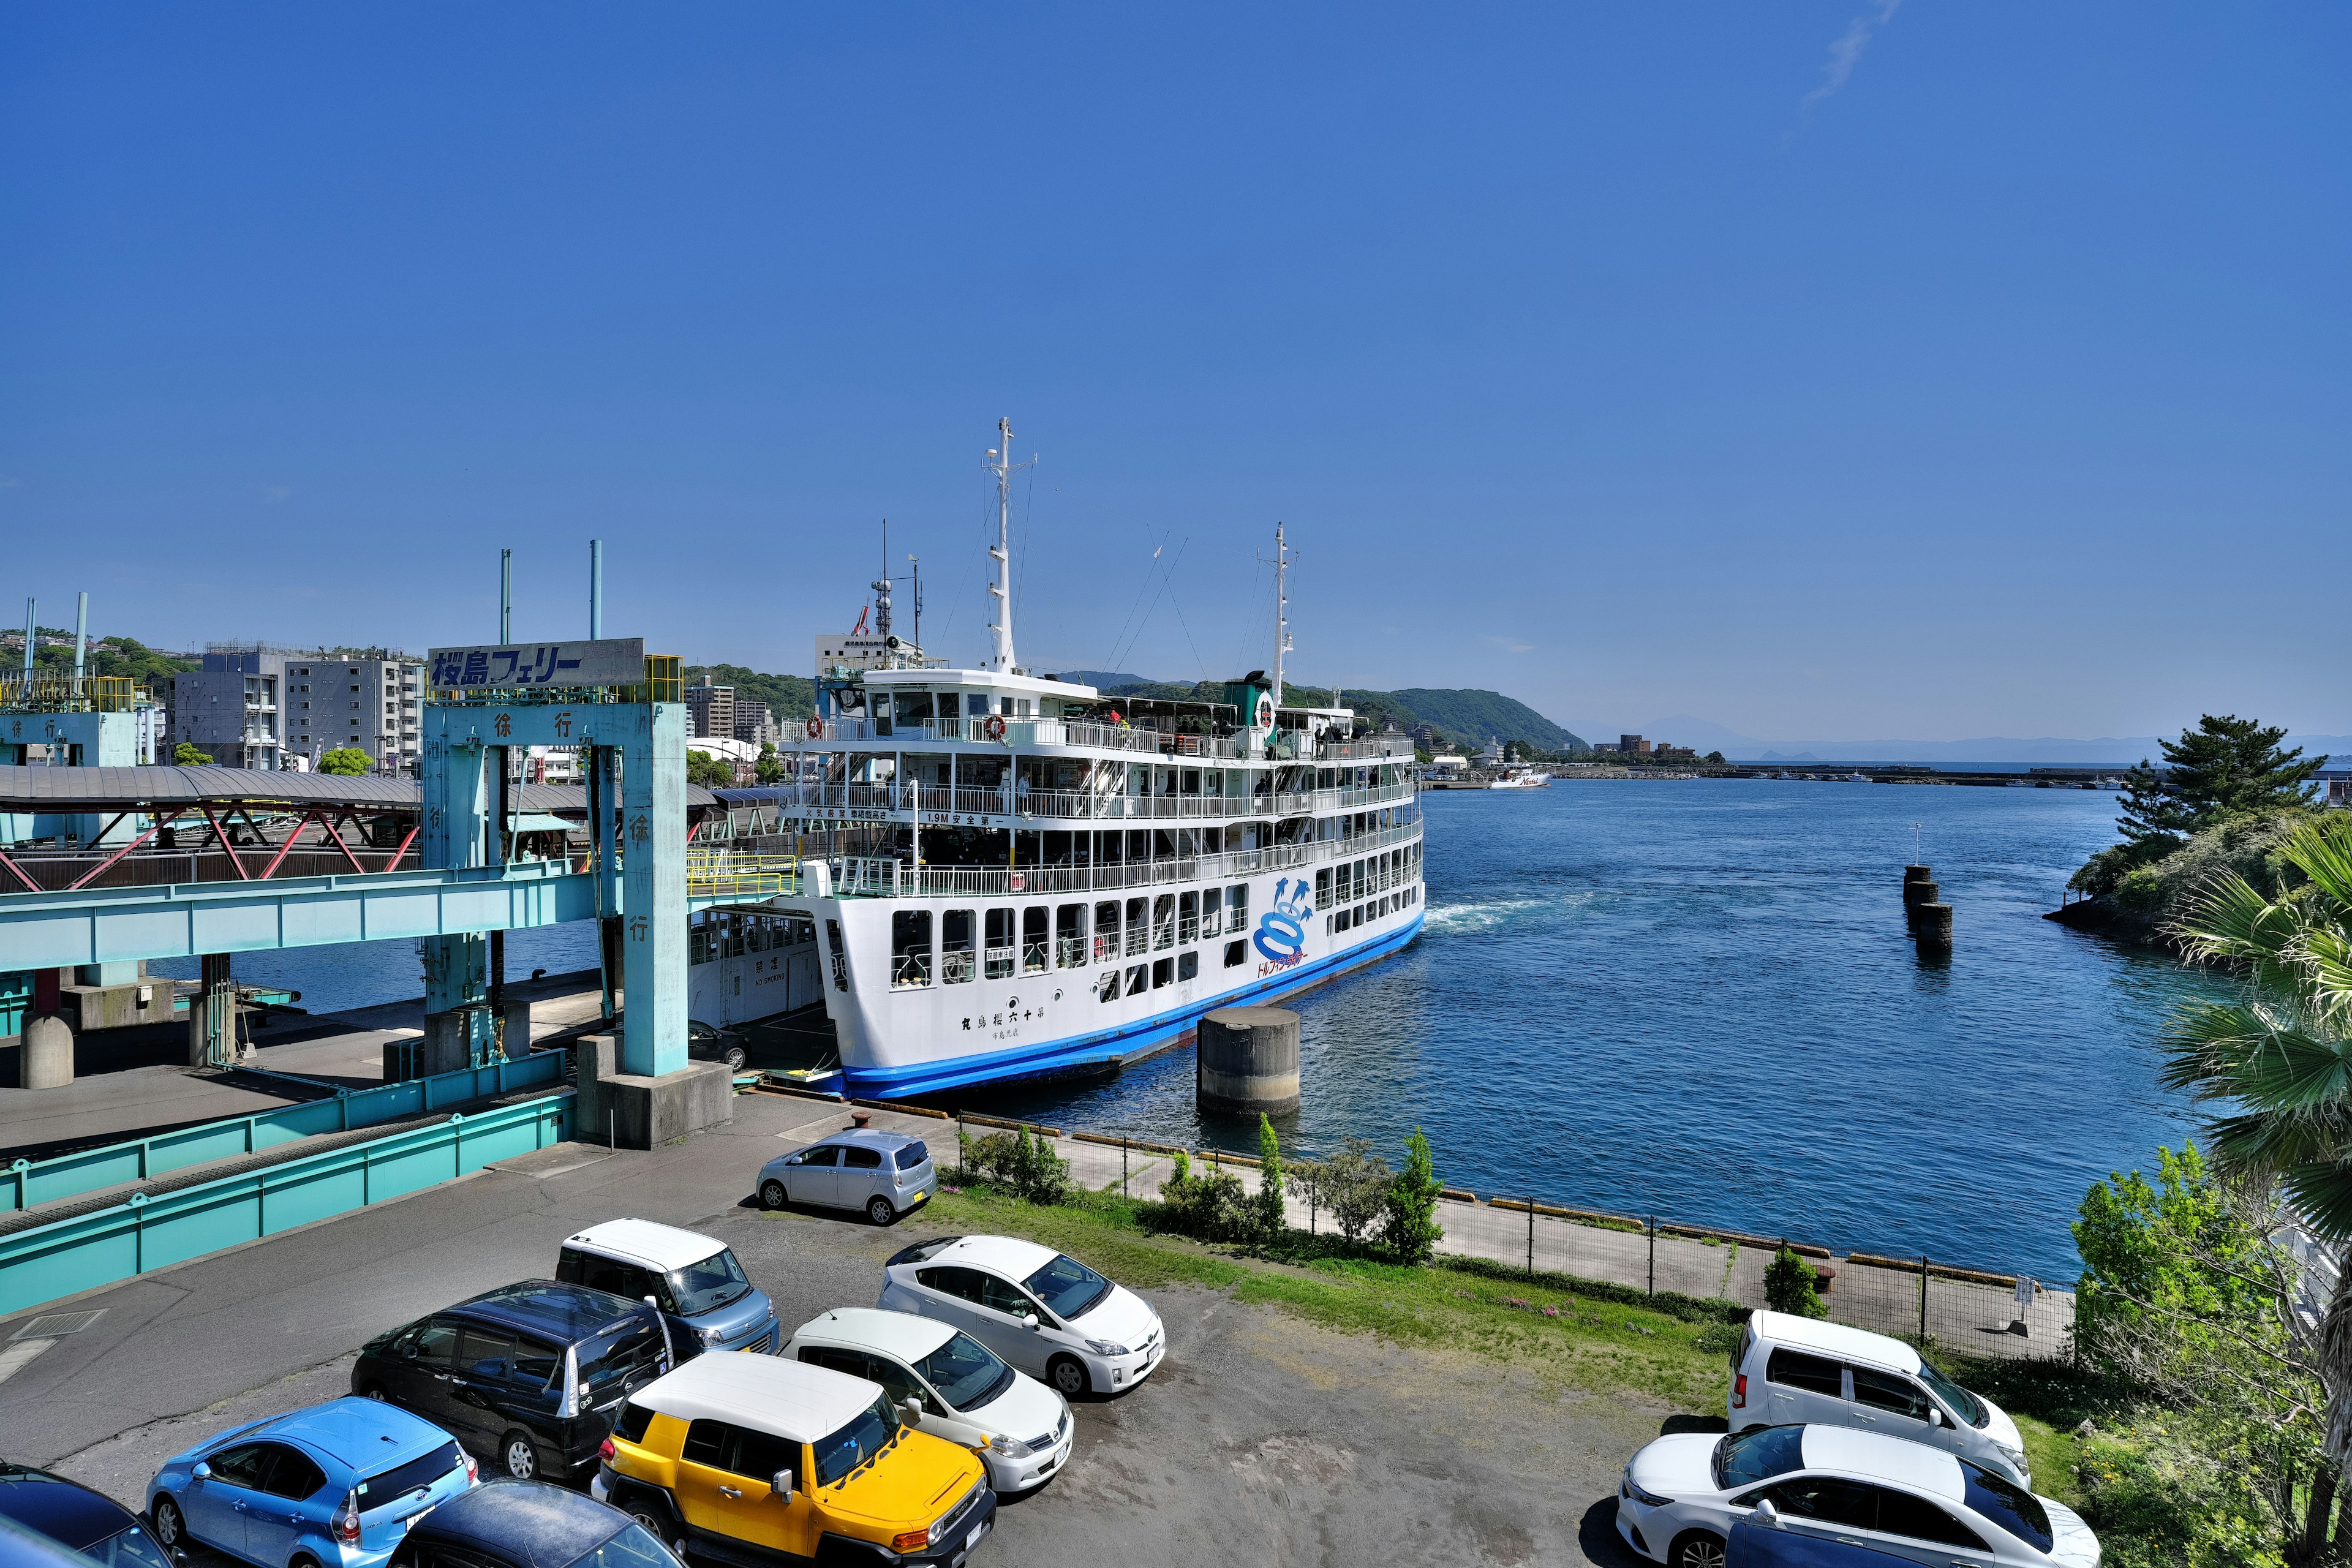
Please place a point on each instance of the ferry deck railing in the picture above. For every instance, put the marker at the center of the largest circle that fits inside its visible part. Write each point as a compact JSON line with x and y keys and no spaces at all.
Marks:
{"x":1284,"y":744}
{"x":867,"y":877}
{"x":1080,"y":806}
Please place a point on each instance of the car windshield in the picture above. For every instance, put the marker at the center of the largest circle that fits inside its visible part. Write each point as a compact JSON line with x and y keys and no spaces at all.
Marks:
{"x":133,"y":1548}
{"x":390,"y":1486}
{"x":1068,"y":1287}
{"x":1757,"y":1455}
{"x":2009,"y":1506}
{"x":966,"y":1372}
{"x":867,"y":1434}
{"x":707,"y":1286}
{"x":633,"y":1547}
{"x":1965,"y":1406}
{"x":624,"y":1351}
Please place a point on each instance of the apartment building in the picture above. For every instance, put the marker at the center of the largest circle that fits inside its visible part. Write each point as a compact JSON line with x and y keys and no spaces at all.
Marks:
{"x":711,"y":709}
{"x":254,"y":705}
{"x":338,"y":701}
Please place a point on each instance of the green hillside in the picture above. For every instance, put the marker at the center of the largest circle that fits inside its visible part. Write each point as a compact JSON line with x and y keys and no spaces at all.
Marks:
{"x":1478,"y":717}
{"x":790,"y":697}
{"x":53,"y":655}
{"x":1468,"y":718}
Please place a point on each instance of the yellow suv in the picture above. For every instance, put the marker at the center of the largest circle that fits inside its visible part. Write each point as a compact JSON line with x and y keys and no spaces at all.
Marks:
{"x":751,"y":1459}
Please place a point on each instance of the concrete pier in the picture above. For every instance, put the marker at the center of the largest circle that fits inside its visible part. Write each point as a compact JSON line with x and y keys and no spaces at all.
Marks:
{"x":1931,"y":927}
{"x":1248,"y":1061}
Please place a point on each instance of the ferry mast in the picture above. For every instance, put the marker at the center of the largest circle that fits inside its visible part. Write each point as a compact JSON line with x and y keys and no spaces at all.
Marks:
{"x":1001,"y":590}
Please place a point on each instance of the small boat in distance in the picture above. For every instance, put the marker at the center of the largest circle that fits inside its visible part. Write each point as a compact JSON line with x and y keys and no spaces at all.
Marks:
{"x":1521,"y":777}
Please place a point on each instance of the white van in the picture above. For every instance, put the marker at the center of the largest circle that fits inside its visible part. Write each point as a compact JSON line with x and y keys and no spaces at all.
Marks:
{"x":1788,"y":1370}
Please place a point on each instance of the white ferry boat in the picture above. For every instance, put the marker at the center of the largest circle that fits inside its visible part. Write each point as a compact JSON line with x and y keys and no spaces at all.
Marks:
{"x":1005,"y":875}
{"x":1522,"y":777}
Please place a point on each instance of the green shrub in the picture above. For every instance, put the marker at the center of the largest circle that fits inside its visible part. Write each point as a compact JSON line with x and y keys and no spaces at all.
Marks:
{"x":2157,"y":1498}
{"x":1791,"y":1286}
{"x":1410,"y":1227}
{"x":1022,"y":1160}
{"x":1267,"y":1208}
{"x":1211,"y":1206}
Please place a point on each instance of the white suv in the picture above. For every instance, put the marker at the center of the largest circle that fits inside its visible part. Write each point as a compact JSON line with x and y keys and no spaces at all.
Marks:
{"x":1044,"y":1311}
{"x":1787,"y":1371}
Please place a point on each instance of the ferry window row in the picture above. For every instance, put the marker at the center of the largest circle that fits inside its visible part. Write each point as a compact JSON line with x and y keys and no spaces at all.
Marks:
{"x":732,"y":933}
{"x":923,"y":707}
{"x":1348,"y":919}
{"x":1359,"y":879}
{"x":999,"y":943}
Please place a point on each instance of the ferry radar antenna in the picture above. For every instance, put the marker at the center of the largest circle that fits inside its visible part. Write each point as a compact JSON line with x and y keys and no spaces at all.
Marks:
{"x":881,"y":587}
{"x":1001,"y":464}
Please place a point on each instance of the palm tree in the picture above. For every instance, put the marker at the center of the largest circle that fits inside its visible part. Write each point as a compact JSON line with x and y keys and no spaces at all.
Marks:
{"x":2279,"y":1060}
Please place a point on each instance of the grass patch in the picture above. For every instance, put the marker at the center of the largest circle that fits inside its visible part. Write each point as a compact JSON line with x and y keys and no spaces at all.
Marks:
{"x":1572,"y":1334}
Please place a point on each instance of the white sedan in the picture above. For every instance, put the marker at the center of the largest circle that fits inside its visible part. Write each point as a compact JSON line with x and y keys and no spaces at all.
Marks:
{"x":1044,"y":1311}
{"x":1682,"y":1494}
{"x":949,"y":1385}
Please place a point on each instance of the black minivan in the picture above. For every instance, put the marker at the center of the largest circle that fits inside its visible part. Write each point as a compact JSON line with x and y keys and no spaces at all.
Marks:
{"x":528,"y":1377}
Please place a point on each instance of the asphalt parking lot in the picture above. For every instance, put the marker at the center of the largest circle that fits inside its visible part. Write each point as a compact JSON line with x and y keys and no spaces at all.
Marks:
{"x":1261,"y":1438}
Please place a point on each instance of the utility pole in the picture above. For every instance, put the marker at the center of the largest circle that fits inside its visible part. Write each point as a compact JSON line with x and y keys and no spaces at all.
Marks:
{"x":506,"y":597}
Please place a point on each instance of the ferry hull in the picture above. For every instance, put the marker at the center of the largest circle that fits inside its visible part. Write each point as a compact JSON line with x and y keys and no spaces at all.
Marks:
{"x":1131,"y":1041}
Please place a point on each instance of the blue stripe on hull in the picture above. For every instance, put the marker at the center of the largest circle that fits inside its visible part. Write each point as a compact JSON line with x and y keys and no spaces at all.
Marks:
{"x":1130,"y":1043}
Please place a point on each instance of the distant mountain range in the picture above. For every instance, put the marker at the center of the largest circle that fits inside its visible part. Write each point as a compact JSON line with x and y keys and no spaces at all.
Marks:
{"x":1683,"y":730}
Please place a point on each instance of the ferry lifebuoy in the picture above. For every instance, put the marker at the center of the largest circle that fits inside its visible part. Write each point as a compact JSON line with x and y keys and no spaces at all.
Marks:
{"x":994,"y":728}
{"x":816,"y":727}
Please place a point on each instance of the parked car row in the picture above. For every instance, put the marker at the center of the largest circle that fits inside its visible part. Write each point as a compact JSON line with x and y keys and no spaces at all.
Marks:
{"x":883,"y":1433}
{"x":1848,"y":1448}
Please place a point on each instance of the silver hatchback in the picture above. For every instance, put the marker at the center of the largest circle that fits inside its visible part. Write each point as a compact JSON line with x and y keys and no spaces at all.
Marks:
{"x":885,"y":1173}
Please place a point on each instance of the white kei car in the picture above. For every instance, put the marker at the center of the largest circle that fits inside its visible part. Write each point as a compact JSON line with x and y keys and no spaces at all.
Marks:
{"x":950,"y":1385}
{"x":1046,"y":1312}
{"x":1682,"y":1494}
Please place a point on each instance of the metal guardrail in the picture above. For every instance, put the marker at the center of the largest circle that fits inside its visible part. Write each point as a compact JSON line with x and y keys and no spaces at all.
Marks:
{"x":856,"y":876}
{"x":737,"y":874}
{"x":143,"y":1233}
{"x":46,"y":693}
{"x":32,"y":1182}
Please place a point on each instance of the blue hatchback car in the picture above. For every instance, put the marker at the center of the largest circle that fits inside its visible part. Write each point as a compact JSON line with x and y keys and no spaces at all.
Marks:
{"x":335,"y":1485}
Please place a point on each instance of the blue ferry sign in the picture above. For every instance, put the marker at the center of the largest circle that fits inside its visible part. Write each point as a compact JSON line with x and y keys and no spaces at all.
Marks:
{"x":607,"y":661}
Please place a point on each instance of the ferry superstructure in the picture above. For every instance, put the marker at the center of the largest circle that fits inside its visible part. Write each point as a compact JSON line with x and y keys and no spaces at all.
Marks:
{"x":1006,"y":875}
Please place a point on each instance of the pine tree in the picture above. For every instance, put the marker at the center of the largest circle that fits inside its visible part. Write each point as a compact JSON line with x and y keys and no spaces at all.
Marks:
{"x":1269,"y":1181}
{"x":2228,"y":764}
{"x":2151,"y":817}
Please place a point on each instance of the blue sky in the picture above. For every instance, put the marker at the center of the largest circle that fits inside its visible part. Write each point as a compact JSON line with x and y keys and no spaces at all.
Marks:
{"x":1825,"y":370}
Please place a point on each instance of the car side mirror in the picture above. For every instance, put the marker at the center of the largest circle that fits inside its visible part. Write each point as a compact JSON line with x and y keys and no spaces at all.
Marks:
{"x":203,"y":1472}
{"x":781,"y":1484}
{"x":1767,"y":1515}
{"x":1031,"y":1318}
{"x":913,"y":1410}
{"x":1934,"y":1417}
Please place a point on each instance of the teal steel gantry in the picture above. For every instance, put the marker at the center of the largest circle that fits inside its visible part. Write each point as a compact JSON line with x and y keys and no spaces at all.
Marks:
{"x":632,"y":732}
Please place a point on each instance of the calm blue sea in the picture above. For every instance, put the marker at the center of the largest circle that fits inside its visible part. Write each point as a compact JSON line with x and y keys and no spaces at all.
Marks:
{"x":1695,"y":999}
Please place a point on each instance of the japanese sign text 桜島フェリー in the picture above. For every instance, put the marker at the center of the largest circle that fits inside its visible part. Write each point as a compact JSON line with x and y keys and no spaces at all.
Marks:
{"x":608,"y":661}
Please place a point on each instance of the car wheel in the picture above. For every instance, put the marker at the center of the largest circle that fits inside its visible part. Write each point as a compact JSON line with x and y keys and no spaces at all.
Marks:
{"x":658,"y":1521}
{"x":518,"y":1456}
{"x":736,"y":1058}
{"x":1696,"y":1549}
{"x":375,"y":1391}
{"x":878,"y":1210}
{"x":773,"y":1196}
{"x":1069,"y":1376}
{"x":171,"y":1529}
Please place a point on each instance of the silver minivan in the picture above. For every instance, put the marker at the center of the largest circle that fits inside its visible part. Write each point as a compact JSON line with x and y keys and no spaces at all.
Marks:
{"x":885,"y":1173}
{"x":1788,"y":1371}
